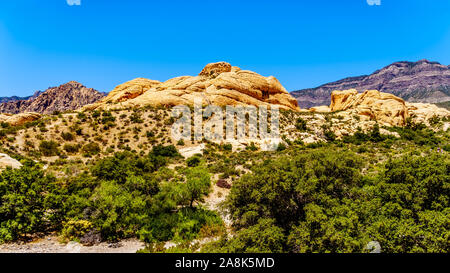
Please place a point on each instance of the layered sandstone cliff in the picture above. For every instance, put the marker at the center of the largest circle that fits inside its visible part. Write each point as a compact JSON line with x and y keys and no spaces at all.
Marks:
{"x":218,"y":83}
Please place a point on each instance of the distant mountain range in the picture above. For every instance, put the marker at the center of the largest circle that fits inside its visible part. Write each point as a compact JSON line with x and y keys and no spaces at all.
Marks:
{"x":69,"y":96}
{"x":15,"y":98}
{"x":421,"y":81}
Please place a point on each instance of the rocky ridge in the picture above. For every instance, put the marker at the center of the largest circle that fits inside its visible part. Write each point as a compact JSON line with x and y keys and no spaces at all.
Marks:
{"x":69,"y":96}
{"x":421,"y":81}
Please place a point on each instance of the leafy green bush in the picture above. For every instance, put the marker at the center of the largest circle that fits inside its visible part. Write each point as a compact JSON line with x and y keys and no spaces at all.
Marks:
{"x":49,"y":148}
{"x":413,"y":195}
{"x":136,"y":118}
{"x":193,"y":161}
{"x":67,"y":136}
{"x":417,"y":133}
{"x":329,"y":135}
{"x":198,"y":184}
{"x":300,"y":124}
{"x":127,"y":195}
{"x":24,"y":200}
{"x":124,"y":164}
{"x":227,"y":147}
{"x":71,"y":148}
{"x":4,"y":125}
{"x":264,"y":237}
{"x":180,"y":142}
{"x":280,"y":189}
{"x":107,"y":117}
{"x":166,"y":151}
{"x":447,"y":148}
{"x":75,"y":229}
{"x":359,"y":137}
{"x":82,"y":116}
{"x":251,"y":147}
{"x":118,"y":211}
{"x":281,"y":147}
{"x":91,"y":149}
{"x":185,"y":225}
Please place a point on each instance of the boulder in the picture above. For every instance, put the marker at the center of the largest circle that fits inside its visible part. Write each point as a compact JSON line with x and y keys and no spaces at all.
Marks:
{"x":223,"y":183}
{"x":7,"y":161}
{"x":91,"y":238}
{"x":373,"y":247}
{"x":215,"y":69}
{"x":191,"y":151}
{"x":129,"y":90}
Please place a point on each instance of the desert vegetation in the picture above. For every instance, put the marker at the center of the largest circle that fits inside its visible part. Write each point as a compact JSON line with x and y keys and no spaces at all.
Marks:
{"x":108,"y":175}
{"x":120,"y":196}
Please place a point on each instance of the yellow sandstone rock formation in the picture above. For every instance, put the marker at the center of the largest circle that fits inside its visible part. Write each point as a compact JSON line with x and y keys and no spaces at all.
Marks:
{"x":385,"y":108}
{"x":423,"y":112}
{"x":320,"y":109}
{"x":129,"y":90}
{"x":19,"y":119}
{"x":218,"y":83}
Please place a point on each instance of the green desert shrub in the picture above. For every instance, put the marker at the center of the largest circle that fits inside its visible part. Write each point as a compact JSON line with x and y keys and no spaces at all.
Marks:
{"x":185,"y":225}
{"x":136,"y":118}
{"x":67,"y":136}
{"x":301,"y":124}
{"x":49,"y":148}
{"x":193,"y":161}
{"x":166,"y":151}
{"x":281,"y":147}
{"x":71,"y":148}
{"x":227,"y":147}
{"x":118,"y":212}
{"x":75,"y":229}
{"x":91,"y":149}
{"x":107,"y":117}
{"x":25,"y":198}
{"x":264,"y":237}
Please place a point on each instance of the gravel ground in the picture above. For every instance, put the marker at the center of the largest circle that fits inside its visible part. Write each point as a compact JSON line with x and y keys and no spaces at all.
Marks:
{"x":52,"y":245}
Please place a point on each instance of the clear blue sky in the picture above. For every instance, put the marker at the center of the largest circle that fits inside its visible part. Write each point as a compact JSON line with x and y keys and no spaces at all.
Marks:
{"x":103,"y":43}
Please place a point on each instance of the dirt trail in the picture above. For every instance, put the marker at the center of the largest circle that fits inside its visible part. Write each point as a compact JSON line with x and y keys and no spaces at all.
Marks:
{"x":52,"y":245}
